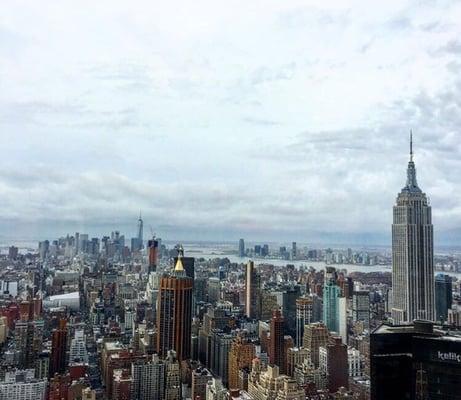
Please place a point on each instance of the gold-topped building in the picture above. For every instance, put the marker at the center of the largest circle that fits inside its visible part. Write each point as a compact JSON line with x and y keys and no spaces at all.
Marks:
{"x":174,"y":312}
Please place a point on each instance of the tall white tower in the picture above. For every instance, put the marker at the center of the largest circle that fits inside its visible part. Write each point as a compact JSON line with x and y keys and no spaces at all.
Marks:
{"x":412,"y":253}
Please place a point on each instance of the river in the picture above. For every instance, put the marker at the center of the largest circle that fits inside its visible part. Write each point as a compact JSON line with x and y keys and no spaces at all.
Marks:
{"x":208,"y":253}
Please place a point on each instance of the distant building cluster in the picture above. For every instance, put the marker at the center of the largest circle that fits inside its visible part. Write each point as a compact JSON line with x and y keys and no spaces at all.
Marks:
{"x":97,"y":318}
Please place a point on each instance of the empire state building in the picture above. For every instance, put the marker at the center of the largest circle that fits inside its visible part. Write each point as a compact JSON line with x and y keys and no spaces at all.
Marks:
{"x":412,"y":253}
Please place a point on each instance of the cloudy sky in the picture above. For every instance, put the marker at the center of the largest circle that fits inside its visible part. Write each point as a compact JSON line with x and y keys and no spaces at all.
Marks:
{"x":269,"y":120}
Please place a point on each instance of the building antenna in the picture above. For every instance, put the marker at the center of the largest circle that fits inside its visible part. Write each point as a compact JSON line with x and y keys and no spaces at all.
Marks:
{"x":411,"y":145}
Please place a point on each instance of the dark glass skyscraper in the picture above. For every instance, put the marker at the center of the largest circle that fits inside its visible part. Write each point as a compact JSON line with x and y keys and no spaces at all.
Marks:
{"x":58,"y":348}
{"x":277,"y":336}
{"x":443,"y":296}
{"x":412,"y":253}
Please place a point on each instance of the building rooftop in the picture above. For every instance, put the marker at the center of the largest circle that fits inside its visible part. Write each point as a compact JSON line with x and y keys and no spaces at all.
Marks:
{"x":418,"y":327}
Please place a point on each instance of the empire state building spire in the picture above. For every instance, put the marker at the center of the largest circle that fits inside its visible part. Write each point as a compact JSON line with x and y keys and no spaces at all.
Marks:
{"x":412,"y":184}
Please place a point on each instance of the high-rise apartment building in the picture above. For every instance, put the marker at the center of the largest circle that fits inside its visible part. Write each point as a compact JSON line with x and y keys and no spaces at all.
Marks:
{"x":361,"y":307}
{"x":252,"y":291}
{"x":200,"y":379}
{"x":172,"y":377}
{"x":315,"y":336}
{"x":296,"y":356}
{"x":28,"y":341}
{"x":174,"y":313}
{"x":412,"y":253}
{"x":241,"y":354}
{"x":22,"y":385}
{"x":334,"y":363}
{"x":220,"y":346}
{"x":354,"y":359}
{"x":215,"y":390}
{"x":304,"y":314}
{"x":148,"y":379}
{"x":78,"y":352}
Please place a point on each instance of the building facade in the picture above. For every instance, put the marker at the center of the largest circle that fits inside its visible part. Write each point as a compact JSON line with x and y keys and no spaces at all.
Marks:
{"x":415,"y":362}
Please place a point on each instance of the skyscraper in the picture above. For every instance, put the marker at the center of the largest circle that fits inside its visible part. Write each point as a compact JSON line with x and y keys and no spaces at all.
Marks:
{"x":252,"y":286}
{"x":174,"y":313}
{"x":276,"y":342}
{"x":443,"y":296}
{"x":289,"y":297}
{"x":241,"y":354}
{"x":331,"y":292}
{"x":334,"y":358}
{"x":140,"y":235}
{"x":315,"y":336}
{"x":304,"y":311}
{"x":361,"y":307}
{"x":153,"y":246}
{"x":241,"y":248}
{"x":58,"y":348}
{"x":412,"y":253}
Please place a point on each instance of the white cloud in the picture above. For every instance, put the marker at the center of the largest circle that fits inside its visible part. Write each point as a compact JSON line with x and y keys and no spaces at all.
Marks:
{"x":269,"y":118}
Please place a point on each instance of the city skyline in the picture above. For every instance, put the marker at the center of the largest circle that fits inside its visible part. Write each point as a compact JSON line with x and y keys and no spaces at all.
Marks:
{"x":230,"y":200}
{"x":211,"y":103}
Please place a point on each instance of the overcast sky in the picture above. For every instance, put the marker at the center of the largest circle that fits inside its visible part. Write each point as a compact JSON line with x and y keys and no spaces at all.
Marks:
{"x":268,"y":120}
